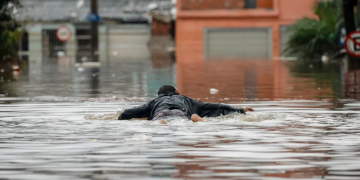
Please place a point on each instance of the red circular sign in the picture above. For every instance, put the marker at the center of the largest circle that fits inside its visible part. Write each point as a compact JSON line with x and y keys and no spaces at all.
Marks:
{"x":351,"y":43}
{"x":63,"y":33}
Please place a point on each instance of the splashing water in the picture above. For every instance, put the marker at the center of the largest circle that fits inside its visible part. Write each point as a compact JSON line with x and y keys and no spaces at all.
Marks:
{"x":82,"y":139}
{"x":114,"y":116}
{"x":250,"y":117}
{"x":138,"y":137}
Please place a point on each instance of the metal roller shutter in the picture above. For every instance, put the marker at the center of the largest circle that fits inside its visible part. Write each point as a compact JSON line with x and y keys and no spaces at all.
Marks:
{"x":284,"y":36}
{"x":239,"y":43}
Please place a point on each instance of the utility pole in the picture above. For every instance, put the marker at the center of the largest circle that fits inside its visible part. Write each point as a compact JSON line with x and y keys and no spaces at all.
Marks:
{"x":353,"y":62}
{"x":94,"y":32}
{"x":349,"y":18}
{"x":349,"y":15}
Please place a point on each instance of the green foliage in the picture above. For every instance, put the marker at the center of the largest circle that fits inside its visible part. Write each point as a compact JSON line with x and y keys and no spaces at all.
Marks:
{"x":329,"y":12}
{"x":9,"y":35}
{"x":8,"y":40}
{"x":311,"y":38}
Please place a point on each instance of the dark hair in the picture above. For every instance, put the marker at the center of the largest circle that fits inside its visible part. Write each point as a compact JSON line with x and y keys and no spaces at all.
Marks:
{"x":166,"y":88}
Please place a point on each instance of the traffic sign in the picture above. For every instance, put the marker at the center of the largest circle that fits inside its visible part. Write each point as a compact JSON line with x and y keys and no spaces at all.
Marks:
{"x":342,"y":36}
{"x":93,"y":17}
{"x":63,"y":33}
{"x":352,"y":44}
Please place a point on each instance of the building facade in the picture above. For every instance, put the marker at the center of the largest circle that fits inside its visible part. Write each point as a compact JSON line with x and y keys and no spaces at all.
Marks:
{"x":123,"y":25}
{"x":235,"y":29}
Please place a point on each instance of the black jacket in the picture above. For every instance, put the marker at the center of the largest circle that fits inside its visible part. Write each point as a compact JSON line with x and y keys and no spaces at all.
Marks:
{"x":175,"y":101}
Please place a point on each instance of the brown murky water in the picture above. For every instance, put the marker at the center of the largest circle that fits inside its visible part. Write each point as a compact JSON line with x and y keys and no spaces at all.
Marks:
{"x":55,"y":123}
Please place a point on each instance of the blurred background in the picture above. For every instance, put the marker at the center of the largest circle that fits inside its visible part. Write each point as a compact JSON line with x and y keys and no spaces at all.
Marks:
{"x":244,"y":49}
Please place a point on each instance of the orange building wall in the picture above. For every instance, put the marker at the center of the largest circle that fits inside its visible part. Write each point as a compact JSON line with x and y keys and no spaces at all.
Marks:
{"x":195,"y":75}
{"x":159,"y":28}
{"x":291,"y":10}
{"x":190,"y":44}
{"x":265,"y":3}
{"x":211,"y":4}
{"x":191,"y":24}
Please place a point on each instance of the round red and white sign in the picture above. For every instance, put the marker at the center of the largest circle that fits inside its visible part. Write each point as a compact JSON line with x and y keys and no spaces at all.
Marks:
{"x":352,"y":44}
{"x":63,"y":33}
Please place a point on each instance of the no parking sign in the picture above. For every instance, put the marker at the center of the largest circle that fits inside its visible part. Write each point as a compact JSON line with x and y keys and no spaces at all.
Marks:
{"x":352,"y":44}
{"x":63,"y":33}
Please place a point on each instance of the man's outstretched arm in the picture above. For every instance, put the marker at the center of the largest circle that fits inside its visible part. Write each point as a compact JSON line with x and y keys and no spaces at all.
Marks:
{"x":217,"y":109}
{"x":142,"y":111}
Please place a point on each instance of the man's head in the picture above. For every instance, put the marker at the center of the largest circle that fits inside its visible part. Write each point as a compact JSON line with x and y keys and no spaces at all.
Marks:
{"x":167,"y":89}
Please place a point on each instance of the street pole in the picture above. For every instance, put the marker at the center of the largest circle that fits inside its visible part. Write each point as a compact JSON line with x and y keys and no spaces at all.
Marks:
{"x":349,"y":15}
{"x":94,"y":32}
{"x":349,"y":19}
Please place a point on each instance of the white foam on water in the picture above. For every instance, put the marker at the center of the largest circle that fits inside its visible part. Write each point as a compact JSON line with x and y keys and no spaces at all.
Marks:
{"x":232,"y":119}
{"x":113,"y":116}
{"x":139,"y":137}
{"x":250,"y":117}
{"x":100,"y":117}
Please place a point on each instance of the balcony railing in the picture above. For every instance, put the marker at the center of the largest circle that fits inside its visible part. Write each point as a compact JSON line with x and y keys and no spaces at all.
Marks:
{"x":195,"y":5}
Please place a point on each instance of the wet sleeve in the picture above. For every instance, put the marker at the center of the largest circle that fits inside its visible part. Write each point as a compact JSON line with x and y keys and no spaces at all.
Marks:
{"x":215,"y":109}
{"x":142,"y":111}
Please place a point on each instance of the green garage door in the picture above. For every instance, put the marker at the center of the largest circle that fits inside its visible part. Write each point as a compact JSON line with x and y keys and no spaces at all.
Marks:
{"x":238,"y":43}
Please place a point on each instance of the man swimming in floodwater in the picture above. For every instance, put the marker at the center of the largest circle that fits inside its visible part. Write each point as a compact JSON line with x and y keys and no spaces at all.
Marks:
{"x":170,"y":103}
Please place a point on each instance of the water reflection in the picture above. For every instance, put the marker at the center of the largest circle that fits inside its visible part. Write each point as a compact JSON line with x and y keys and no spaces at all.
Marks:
{"x":352,"y":84}
{"x":253,"y":80}
{"x":7,"y":76}
{"x":234,"y":80}
{"x":298,"y":132}
{"x":94,"y":82}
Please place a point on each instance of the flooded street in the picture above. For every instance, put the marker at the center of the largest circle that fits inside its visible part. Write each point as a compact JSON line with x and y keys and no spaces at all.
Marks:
{"x":56,"y":123}
{"x":69,"y":68}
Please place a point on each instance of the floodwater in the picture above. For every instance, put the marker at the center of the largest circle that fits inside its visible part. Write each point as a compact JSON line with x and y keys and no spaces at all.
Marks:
{"x":56,"y":122}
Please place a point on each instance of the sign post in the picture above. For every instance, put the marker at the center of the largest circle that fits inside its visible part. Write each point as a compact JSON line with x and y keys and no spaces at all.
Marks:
{"x":342,"y":36}
{"x":94,"y":18}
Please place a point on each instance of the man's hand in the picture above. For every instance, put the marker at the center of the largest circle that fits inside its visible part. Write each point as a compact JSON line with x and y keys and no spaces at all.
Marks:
{"x":247,"y":109}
